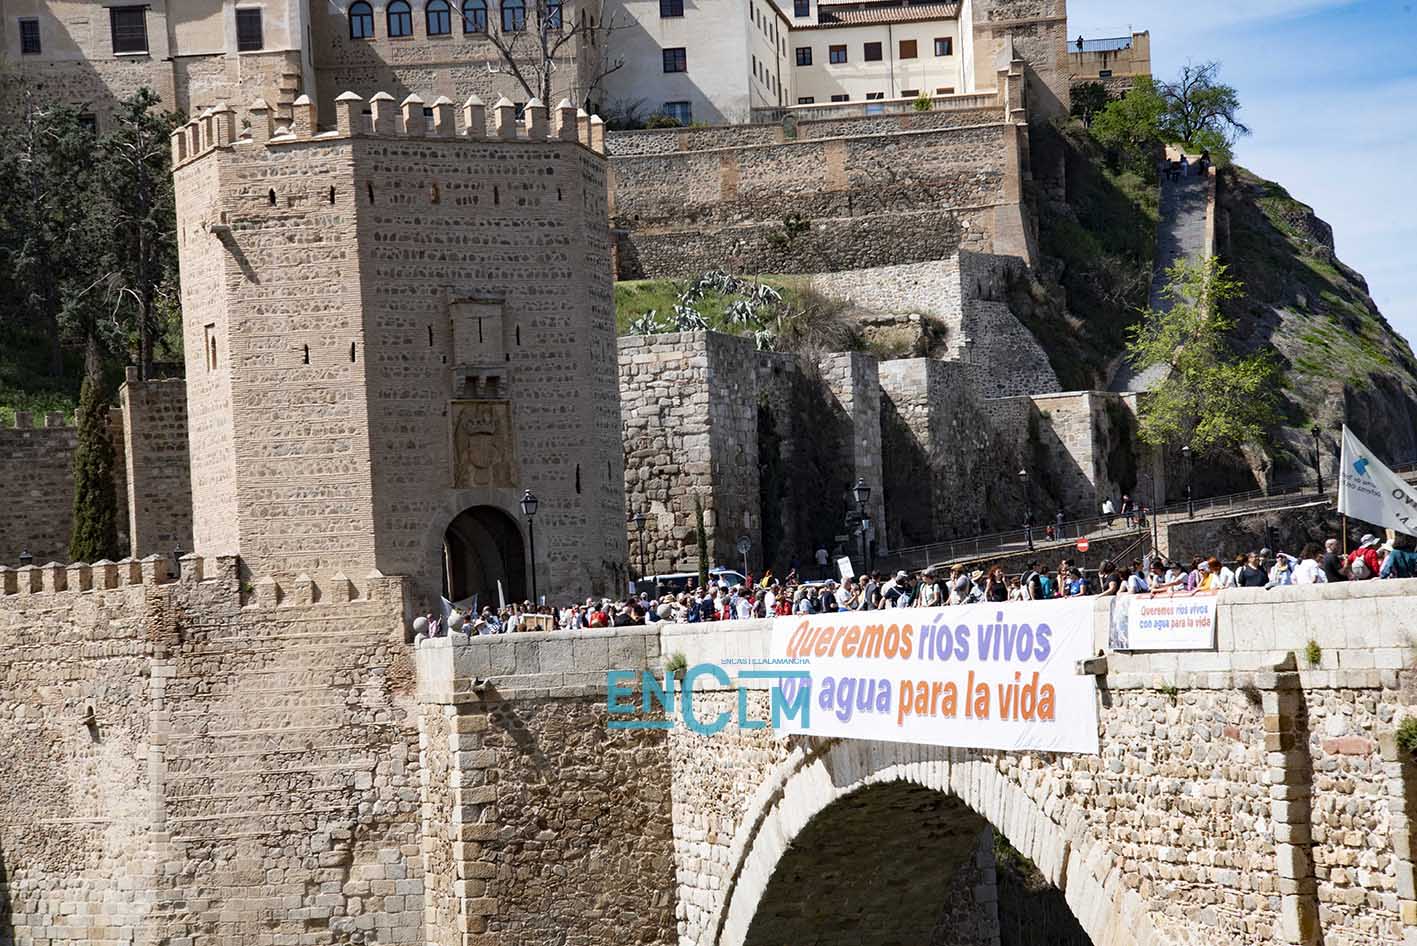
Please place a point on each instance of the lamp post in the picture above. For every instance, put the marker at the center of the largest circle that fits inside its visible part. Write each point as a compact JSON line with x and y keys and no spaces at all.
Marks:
{"x":26,"y":559}
{"x":862,"y":494}
{"x":1027,"y":510}
{"x":177,"y":561}
{"x":640,"y":520}
{"x":1190,"y":503}
{"x":1318,"y":460}
{"x":529,"y":503}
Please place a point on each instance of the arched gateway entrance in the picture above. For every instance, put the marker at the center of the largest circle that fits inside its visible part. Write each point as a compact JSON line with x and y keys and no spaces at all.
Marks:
{"x":481,"y":547}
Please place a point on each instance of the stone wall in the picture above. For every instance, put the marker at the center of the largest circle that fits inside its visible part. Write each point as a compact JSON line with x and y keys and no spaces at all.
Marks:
{"x":866,"y":199}
{"x":400,"y":322}
{"x":770,"y":445}
{"x":943,"y":479}
{"x":1086,"y":441}
{"x":37,"y":472}
{"x":159,"y":481}
{"x":968,"y":293}
{"x":206,"y":759}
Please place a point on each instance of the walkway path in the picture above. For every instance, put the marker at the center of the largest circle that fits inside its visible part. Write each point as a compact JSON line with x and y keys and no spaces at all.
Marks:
{"x":1181,"y":232}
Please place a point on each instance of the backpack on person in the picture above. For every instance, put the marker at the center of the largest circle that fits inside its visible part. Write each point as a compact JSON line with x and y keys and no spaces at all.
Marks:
{"x":1358,"y":568}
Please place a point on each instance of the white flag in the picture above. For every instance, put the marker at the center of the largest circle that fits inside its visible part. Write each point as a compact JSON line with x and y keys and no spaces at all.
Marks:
{"x":1369,"y":491}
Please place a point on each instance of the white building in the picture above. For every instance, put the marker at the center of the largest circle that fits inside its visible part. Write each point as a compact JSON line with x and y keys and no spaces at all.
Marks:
{"x":717,"y":61}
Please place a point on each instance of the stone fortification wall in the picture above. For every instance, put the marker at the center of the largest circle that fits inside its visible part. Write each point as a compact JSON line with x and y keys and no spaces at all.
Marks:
{"x":206,"y":759}
{"x":943,"y":479}
{"x":159,"y":480}
{"x":37,"y":471}
{"x":770,"y":444}
{"x":968,"y":293}
{"x":671,"y":140}
{"x":441,"y":339}
{"x":1088,"y":439}
{"x":865,"y":200}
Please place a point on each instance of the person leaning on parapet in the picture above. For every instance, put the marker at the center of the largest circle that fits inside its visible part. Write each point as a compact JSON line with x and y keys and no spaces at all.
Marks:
{"x":1252,"y":573}
{"x":1310,"y":570}
{"x":1401,"y":560}
{"x":1333,"y":561}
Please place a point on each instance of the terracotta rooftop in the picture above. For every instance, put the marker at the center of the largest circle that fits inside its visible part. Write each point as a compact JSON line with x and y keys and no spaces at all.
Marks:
{"x":872,"y":14}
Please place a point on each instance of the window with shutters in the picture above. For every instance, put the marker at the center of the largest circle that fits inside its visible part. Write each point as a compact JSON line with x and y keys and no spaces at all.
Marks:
{"x":130,"y":29}
{"x":248,"y":31}
{"x":29,"y":37}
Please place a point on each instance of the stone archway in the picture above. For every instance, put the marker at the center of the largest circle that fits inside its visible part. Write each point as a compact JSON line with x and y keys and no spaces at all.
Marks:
{"x":812,"y":780}
{"x":483,"y":546}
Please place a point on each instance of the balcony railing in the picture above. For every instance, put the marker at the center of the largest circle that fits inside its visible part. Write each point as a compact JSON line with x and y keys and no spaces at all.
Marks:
{"x":823,"y":111}
{"x":1112,"y":45}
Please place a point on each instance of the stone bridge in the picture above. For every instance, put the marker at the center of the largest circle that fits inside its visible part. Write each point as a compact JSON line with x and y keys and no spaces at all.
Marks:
{"x":1245,"y":795}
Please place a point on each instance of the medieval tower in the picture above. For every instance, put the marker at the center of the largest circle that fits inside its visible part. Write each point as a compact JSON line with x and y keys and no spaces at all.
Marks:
{"x":394,"y":329}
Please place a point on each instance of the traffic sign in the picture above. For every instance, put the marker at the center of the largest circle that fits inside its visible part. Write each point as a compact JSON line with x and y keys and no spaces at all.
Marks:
{"x":1082,"y":545}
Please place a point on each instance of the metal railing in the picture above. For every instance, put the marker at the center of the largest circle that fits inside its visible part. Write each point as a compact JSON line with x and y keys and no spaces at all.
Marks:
{"x":1110,"y":45}
{"x":1016,"y":540}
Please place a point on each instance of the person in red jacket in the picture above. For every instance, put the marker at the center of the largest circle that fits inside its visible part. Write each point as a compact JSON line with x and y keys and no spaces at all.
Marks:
{"x":1363,"y":563}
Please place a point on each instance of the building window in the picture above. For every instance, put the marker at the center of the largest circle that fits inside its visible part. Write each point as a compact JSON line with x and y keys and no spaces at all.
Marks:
{"x":682,"y":112}
{"x":874,"y":96}
{"x":806,"y":100}
{"x":513,"y":16}
{"x":801,"y":7}
{"x":29,"y":37}
{"x":361,"y":21}
{"x":400,"y":18}
{"x":841,"y":98}
{"x":671,"y":7}
{"x":908,"y":49}
{"x":89,"y":122}
{"x":249,"y":36}
{"x":1104,"y":73}
{"x":945,"y":90}
{"x":210,"y":346}
{"x":474,"y":16}
{"x":804,"y":55}
{"x":944,"y":46}
{"x":873,"y":52}
{"x":553,"y":14}
{"x":910,"y":93}
{"x":676,"y":60}
{"x":439,"y":17}
{"x":130,"y":29}
{"x":836,"y":54}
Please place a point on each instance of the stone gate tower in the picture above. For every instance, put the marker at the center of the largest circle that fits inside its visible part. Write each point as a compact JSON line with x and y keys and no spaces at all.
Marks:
{"x":393,"y":329}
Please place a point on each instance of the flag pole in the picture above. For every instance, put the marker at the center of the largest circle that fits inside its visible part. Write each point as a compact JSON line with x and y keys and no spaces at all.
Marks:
{"x":1345,"y":533}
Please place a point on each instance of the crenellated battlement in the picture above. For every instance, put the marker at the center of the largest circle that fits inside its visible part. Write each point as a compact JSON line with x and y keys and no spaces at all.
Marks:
{"x":27,"y":420}
{"x":58,"y":583}
{"x":381,"y":116}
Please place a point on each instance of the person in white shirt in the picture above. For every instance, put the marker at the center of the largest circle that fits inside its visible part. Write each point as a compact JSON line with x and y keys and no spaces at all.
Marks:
{"x":1310,"y":571}
{"x":844,"y":594}
{"x":742,"y":605}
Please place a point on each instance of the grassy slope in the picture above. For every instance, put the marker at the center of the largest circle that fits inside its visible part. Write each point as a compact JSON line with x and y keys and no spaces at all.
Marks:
{"x":635,"y":297}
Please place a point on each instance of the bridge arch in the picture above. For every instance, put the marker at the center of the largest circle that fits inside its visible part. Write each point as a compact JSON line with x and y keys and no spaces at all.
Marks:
{"x":815,"y":777}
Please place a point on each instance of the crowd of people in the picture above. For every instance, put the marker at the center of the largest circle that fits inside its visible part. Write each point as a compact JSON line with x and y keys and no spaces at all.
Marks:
{"x":770,"y":596}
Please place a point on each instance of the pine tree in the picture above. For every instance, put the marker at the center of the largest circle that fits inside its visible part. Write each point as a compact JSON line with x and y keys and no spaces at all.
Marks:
{"x":95,"y":534}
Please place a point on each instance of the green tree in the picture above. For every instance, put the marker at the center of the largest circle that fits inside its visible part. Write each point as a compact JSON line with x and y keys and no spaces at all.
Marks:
{"x":1201,"y":111}
{"x":1089,"y":99}
{"x":1211,"y":397}
{"x":1131,"y":127}
{"x":701,"y":537}
{"x":95,"y":531}
{"x":141,"y":263}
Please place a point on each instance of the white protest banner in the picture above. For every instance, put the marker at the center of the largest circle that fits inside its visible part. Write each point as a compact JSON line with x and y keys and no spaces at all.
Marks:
{"x":1163,"y":622}
{"x":985,"y":676}
{"x":843,"y":566}
{"x":1369,"y":491}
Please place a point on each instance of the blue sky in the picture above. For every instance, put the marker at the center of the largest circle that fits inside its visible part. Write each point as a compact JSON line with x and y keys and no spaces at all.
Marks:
{"x":1329,"y":90}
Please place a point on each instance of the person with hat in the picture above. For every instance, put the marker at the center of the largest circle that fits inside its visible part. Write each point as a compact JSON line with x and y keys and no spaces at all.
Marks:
{"x":1363,"y":562}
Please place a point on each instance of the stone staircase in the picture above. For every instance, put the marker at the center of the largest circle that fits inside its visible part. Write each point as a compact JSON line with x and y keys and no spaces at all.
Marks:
{"x":1185,"y":231}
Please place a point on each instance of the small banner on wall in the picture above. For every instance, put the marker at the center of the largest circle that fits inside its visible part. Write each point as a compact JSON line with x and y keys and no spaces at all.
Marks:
{"x":985,"y":676}
{"x":1163,"y":622}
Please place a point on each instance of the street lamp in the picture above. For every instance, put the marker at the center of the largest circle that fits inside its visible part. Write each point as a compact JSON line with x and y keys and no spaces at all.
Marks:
{"x":26,"y":559}
{"x":1318,"y":463}
{"x":529,"y":503}
{"x":862,"y":494}
{"x":1027,"y":510}
{"x":640,"y":520}
{"x":1190,"y":503}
